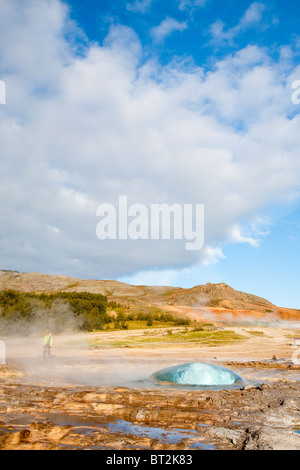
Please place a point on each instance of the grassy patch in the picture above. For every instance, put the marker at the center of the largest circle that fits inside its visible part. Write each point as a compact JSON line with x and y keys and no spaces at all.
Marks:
{"x":256,"y":333}
{"x":199,"y":337}
{"x":141,"y":325}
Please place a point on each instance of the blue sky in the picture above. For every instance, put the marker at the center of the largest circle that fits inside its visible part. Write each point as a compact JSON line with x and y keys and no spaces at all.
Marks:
{"x":272,"y":24}
{"x":183,"y":101}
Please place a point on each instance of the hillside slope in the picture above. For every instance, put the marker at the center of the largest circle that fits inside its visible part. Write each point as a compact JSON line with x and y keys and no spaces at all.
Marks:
{"x":218,"y":299}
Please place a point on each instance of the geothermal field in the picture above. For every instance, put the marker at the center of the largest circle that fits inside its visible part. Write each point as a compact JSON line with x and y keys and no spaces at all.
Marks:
{"x":226,"y":379}
{"x":97,"y":392}
{"x":150,"y":229}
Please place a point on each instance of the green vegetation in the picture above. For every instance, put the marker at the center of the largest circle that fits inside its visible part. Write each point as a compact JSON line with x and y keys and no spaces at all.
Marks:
{"x":26,"y":313}
{"x":31,"y":313}
{"x":143,"y":317}
{"x":256,"y":333}
{"x":138,"y":325}
{"x":147,"y":313}
{"x":190,"y":336}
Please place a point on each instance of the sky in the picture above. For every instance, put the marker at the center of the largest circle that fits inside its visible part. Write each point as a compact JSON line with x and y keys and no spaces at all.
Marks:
{"x":178,"y":102}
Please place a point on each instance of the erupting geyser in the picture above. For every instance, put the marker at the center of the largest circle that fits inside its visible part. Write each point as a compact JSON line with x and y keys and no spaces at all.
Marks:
{"x":201,"y":374}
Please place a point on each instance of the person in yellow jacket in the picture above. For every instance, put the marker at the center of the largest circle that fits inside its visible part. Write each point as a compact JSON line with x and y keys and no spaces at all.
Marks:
{"x":48,"y":342}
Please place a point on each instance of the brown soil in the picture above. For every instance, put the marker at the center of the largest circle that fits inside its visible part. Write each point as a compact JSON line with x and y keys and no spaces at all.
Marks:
{"x":205,"y":302}
{"x":93,"y":399}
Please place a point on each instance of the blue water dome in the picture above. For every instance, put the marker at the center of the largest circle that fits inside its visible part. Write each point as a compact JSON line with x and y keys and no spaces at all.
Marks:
{"x":200,"y":374}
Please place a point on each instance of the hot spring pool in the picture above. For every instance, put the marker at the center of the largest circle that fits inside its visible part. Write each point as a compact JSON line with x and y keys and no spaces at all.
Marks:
{"x":200,"y":375}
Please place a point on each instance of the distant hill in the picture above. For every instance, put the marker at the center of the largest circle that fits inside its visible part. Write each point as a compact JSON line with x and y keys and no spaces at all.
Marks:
{"x":217,"y":298}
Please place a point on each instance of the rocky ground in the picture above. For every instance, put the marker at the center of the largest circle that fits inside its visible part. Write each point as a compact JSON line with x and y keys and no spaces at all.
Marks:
{"x":57,"y":405}
{"x":34,"y":416}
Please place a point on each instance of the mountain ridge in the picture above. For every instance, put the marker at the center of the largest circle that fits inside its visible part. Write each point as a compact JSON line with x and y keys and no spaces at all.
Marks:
{"x":207,"y":301}
{"x":201,"y":294}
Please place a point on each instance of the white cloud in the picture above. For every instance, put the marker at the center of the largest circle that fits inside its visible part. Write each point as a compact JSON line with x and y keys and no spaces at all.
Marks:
{"x":166,"y":28}
{"x":166,"y":277}
{"x":79,"y":130}
{"x":53,"y":229}
{"x":252,"y":17}
{"x":140,"y":6}
{"x":237,"y":237}
{"x":211,"y":255}
{"x":190,"y":4}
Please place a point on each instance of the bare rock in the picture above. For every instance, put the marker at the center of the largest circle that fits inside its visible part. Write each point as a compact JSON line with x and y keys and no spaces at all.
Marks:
{"x":265,"y":438}
{"x":224,"y":435}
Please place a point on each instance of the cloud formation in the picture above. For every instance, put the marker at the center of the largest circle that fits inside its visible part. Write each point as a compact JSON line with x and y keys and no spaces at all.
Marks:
{"x":82,"y":129}
{"x":190,"y":4}
{"x":140,"y":6}
{"x":167,"y":27}
{"x":251,"y":18}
